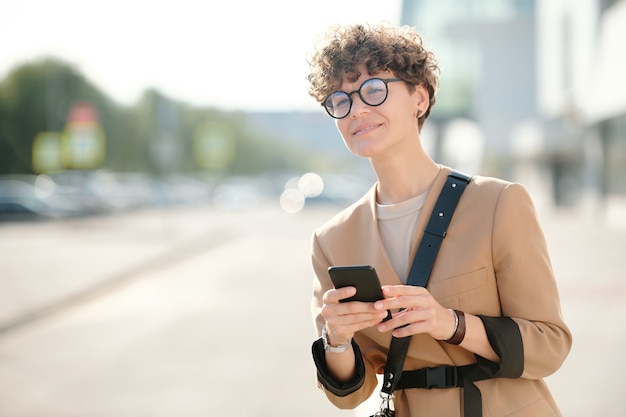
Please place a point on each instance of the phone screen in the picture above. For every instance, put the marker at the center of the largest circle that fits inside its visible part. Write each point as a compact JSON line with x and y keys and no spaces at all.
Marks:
{"x":363,"y":278}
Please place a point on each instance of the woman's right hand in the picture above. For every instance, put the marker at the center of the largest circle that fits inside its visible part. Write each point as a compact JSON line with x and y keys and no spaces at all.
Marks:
{"x":343,"y":320}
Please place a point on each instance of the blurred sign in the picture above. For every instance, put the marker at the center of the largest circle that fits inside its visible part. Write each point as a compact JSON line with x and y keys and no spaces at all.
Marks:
{"x":83,"y":113}
{"x":83,"y":140}
{"x":83,"y":147}
{"x":214,"y":145}
{"x":47,"y":154}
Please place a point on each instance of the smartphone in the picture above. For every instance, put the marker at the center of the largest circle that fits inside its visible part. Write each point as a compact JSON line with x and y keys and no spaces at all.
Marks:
{"x":363,"y":278}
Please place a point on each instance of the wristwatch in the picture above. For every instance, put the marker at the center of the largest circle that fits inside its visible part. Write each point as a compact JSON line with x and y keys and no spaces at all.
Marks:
{"x":334,"y":349}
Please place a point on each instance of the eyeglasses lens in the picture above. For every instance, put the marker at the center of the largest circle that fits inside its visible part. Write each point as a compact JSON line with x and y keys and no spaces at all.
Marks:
{"x":373,"y":92}
{"x":338,"y":104}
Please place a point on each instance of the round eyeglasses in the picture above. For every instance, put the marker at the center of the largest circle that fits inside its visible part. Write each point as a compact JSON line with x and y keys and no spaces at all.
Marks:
{"x":373,"y":92}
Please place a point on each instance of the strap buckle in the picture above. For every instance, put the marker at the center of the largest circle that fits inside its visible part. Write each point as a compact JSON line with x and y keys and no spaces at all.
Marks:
{"x":441,"y":377}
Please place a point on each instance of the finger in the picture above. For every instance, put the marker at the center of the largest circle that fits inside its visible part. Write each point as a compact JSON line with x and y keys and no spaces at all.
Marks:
{"x":409,"y":322}
{"x":357,"y":321}
{"x":403,"y":302}
{"x":404,"y":297}
{"x":347,"y":325}
{"x":390,"y":291}
{"x":407,"y":329}
{"x":352,"y":312}
{"x":358,"y":309}
{"x":334,"y":295}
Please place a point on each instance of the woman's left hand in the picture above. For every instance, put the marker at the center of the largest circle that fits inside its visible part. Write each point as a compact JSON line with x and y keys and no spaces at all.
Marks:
{"x":421,"y":313}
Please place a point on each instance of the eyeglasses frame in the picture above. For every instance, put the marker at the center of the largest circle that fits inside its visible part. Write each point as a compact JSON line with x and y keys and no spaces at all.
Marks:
{"x":386,"y":81}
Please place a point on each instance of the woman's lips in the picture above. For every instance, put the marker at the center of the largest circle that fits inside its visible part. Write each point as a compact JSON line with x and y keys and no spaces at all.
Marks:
{"x":365,"y":128}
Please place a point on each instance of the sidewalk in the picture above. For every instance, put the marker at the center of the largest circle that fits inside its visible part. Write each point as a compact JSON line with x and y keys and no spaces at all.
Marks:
{"x":46,"y":266}
{"x":590,"y":265}
{"x":195,"y":330}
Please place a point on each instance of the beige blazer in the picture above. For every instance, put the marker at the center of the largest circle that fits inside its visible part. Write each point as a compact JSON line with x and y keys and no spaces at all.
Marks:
{"x":494,"y":261}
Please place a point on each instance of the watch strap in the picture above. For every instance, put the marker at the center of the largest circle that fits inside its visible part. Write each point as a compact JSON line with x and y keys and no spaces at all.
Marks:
{"x":335,"y":349}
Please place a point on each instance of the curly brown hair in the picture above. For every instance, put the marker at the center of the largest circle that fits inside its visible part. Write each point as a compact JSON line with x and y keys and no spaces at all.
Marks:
{"x":380,"y":48}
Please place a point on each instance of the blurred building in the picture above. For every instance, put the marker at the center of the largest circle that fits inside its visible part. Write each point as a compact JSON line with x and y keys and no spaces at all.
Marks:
{"x":487,"y":59}
{"x":582,"y":98}
{"x":538,"y":84}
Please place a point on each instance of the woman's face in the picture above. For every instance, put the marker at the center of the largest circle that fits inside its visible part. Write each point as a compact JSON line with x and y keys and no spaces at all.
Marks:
{"x":374,"y":131}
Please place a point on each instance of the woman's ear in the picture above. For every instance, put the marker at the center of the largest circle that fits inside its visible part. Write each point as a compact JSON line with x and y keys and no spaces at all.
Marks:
{"x":422,"y":99}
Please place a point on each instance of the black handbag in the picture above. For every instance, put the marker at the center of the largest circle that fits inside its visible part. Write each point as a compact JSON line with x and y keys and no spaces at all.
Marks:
{"x":419,"y":274}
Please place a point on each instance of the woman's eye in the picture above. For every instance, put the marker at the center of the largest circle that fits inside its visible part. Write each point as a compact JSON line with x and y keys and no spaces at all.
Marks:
{"x":341,"y":102}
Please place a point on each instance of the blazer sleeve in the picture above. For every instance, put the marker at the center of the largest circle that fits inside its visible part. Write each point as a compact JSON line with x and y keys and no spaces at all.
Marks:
{"x":354,"y":392}
{"x":526,"y":284}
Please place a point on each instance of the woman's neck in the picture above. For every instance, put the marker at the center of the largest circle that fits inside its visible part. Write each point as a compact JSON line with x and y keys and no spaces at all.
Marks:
{"x":403,"y":176}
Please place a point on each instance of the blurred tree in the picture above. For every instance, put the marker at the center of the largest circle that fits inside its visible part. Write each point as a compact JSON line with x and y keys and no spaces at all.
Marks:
{"x":261,"y":154}
{"x":154,"y":136}
{"x":35,"y":98}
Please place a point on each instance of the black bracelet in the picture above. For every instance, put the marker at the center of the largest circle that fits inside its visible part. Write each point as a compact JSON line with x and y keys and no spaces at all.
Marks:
{"x":459,"y":331}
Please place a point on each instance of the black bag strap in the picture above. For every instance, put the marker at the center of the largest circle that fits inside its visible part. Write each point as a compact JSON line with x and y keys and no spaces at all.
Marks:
{"x":422,"y":266}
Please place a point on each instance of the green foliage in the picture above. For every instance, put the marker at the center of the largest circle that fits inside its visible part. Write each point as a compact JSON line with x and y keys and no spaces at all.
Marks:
{"x":36,"y":98}
{"x":155,"y":135}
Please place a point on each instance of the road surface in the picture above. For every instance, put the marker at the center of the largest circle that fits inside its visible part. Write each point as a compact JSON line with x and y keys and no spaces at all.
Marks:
{"x":196,"y":312}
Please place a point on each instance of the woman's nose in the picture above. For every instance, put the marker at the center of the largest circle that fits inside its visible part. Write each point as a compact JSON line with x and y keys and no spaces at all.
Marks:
{"x":358,"y":106}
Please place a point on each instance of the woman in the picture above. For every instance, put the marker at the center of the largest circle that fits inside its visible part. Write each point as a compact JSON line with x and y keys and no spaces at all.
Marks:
{"x":490,"y":314}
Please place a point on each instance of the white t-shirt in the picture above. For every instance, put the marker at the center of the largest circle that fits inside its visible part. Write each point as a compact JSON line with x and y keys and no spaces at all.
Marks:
{"x":397,"y":225}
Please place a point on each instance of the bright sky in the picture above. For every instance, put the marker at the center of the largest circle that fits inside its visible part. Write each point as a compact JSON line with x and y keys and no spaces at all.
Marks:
{"x":246,"y":54}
